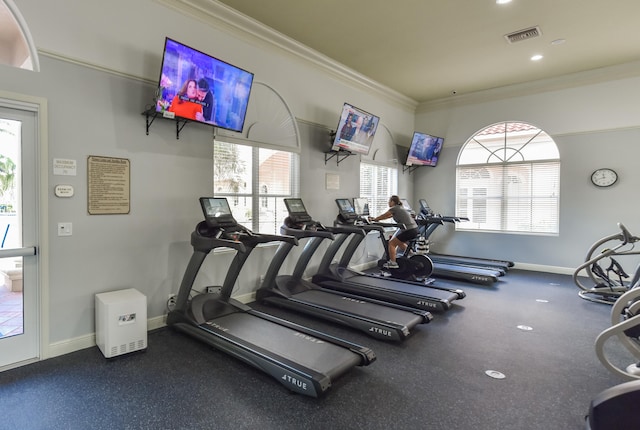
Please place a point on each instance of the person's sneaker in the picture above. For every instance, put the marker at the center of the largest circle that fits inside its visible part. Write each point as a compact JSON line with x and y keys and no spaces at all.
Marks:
{"x":391,"y":265}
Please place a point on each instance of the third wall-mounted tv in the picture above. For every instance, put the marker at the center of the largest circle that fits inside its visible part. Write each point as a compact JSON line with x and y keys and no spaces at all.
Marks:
{"x":425,"y":150}
{"x":355,"y":131}
{"x":199,"y":87}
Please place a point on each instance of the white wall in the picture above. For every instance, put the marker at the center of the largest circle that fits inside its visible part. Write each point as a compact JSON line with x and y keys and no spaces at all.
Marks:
{"x":99,"y":62}
{"x":594,"y":125}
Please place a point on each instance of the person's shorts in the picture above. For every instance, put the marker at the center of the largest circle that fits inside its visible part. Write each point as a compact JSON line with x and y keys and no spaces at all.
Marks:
{"x":407,"y":235}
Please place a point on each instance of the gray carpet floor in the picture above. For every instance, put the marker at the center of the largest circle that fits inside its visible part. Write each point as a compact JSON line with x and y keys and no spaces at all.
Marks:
{"x":433,"y":380}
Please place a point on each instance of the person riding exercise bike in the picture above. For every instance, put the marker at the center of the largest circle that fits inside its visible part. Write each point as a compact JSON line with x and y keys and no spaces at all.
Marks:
{"x":408,"y":229}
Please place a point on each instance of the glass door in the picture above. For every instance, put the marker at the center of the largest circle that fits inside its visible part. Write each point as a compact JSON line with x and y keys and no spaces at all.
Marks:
{"x":19,"y":337}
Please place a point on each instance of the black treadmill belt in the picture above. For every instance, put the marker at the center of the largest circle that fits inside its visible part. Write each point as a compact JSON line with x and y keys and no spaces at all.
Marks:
{"x":393,"y":286}
{"x":323,"y":357}
{"x":359,"y":307}
{"x":463,"y":270}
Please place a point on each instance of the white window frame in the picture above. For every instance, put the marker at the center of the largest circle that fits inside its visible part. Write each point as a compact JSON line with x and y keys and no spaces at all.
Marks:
{"x":509,"y":193}
{"x":379,"y":197}
{"x":258,"y":198}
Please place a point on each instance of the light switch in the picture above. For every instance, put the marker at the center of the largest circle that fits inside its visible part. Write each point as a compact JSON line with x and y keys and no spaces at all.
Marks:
{"x":64,"y":229}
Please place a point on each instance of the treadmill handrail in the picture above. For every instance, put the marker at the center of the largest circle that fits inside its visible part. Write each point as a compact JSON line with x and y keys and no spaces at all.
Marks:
{"x":206,"y":243}
{"x":300,"y":233}
{"x":264,"y":238}
{"x":346,"y":229}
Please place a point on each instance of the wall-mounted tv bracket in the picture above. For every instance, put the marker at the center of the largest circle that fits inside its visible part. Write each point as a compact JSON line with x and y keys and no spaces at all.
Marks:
{"x":151,"y":115}
{"x":409,"y":168}
{"x":340,"y":155}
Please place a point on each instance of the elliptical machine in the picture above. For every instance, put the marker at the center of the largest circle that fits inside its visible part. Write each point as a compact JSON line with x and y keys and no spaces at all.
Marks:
{"x":615,"y":407}
{"x":609,"y":284}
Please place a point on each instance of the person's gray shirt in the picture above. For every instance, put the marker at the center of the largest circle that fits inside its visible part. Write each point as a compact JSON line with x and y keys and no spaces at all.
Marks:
{"x":402,"y":216}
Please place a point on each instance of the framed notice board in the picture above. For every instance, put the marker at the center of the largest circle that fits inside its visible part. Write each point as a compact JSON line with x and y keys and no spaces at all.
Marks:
{"x":109,"y":189}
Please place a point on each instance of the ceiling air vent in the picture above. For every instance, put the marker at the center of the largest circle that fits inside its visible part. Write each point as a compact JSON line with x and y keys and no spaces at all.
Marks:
{"x":520,"y":35}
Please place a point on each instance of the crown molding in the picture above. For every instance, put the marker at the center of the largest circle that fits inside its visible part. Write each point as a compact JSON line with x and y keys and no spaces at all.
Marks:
{"x":223,"y":17}
{"x":573,"y":80}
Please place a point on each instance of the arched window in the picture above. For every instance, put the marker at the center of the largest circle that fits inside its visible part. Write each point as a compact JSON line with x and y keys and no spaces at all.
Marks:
{"x":508,"y":180}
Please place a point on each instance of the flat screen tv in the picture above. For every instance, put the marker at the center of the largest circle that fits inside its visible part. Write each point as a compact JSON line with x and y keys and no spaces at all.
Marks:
{"x":355,"y":131}
{"x":425,"y":150}
{"x":199,"y":87}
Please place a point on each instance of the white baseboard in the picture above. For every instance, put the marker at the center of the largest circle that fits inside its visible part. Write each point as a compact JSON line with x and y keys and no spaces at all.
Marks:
{"x":89,"y":340}
{"x":547,"y":269}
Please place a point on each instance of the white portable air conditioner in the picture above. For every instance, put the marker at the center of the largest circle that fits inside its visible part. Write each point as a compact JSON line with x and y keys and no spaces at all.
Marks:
{"x":121,"y":322}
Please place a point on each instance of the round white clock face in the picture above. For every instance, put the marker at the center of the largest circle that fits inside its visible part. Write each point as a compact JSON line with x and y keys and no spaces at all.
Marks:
{"x":604,"y":177}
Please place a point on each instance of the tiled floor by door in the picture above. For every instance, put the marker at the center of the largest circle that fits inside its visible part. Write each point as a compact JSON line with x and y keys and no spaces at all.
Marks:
{"x":10,"y":313}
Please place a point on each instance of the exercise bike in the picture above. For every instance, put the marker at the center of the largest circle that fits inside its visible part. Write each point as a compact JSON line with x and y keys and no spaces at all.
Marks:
{"x":413,"y":264}
{"x":610,"y":282}
{"x":615,"y":407}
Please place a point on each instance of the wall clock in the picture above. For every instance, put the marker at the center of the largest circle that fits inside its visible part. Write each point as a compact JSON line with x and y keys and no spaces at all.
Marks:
{"x":604,"y":177}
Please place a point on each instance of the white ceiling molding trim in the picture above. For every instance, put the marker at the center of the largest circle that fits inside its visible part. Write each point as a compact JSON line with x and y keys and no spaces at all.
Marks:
{"x":589,"y":77}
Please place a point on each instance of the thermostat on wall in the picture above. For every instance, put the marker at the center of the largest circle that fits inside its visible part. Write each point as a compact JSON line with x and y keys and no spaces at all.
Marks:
{"x":64,"y":190}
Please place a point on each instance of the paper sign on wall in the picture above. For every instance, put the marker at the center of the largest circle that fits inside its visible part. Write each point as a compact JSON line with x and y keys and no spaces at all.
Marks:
{"x":64,"y":167}
{"x":332,"y":181}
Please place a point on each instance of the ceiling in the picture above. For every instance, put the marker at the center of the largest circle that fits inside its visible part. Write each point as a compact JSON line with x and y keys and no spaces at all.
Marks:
{"x":435,"y":49}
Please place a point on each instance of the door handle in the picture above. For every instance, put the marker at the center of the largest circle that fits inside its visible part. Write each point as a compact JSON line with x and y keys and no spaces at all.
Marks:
{"x":18,"y":252}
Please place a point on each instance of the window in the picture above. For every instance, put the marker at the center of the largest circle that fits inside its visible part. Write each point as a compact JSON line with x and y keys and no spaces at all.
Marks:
{"x":508,"y":180}
{"x":255,"y":181}
{"x":377,"y":184}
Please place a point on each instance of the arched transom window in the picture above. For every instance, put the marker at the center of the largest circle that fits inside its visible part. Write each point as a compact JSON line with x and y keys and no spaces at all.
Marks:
{"x":508,"y":180}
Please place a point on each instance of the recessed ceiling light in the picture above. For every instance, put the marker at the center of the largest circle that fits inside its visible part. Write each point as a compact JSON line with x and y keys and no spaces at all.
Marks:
{"x":536,"y":57}
{"x":503,"y":1}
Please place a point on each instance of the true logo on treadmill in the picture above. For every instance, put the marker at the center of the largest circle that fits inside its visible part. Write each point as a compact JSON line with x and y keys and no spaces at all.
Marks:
{"x":294,"y":381}
{"x":307,"y":337}
{"x":218,"y":326}
{"x":353,"y":300}
{"x":479,"y":278}
{"x":427,"y":304}
{"x":380,"y":331}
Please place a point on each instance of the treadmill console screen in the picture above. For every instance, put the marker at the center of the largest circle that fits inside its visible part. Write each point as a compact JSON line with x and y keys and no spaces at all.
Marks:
{"x":217,"y":212}
{"x":346,"y":209}
{"x":406,"y":205}
{"x":297,"y":211}
{"x":295,"y":206}
{"x":361,"y":206}
{"x":424,"y":207}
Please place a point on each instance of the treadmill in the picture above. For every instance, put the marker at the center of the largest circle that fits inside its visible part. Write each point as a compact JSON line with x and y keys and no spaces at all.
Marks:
{"x":303,"y":360}
{"x":430,"y":221}
{"x":382,"y":320}
{"x":342,"y":278}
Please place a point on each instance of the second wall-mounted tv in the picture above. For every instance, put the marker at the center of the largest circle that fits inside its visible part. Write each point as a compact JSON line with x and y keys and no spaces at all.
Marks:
{"x":425,"y":150}
{"x":355,"y":131}
{"x":198,"y":87}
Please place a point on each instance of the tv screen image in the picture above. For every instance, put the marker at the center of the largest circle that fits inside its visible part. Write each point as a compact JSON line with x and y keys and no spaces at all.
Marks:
{"x":355,"y":131}
{"x":199,"y":87}
{"x":425,"y":150}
